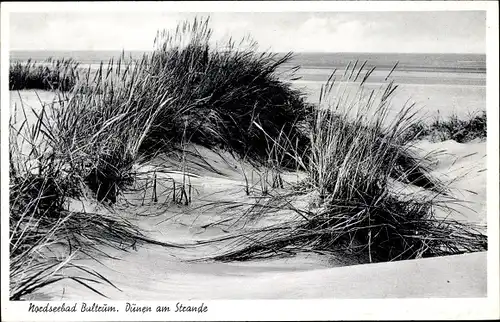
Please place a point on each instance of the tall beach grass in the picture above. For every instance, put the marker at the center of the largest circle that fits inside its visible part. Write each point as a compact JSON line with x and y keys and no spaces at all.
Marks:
{"x":365,"y":203}
{"x":46,"y":236}
{"x":59,"y":74}
{"x":460,"y":129}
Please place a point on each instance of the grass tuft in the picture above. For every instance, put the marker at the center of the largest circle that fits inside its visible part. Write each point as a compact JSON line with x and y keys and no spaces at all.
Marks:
{"x":46,"y":236}
{"x":455,"y":128}
{"x":354,"y":168}
{"x":59,"y":74}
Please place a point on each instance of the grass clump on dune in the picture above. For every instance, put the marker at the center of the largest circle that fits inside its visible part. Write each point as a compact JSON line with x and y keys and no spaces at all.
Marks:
{"x":366,"y":203}
{"x":42,"y":245}
{"x":455,"y":128}
{"x":220,"y":92}
{"x":51,"y":75}
{"x":99,"y":127}
{"x":46,"y":236}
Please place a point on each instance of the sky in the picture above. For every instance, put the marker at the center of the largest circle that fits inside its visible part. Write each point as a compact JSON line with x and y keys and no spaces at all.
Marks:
{"x":399,"y":32}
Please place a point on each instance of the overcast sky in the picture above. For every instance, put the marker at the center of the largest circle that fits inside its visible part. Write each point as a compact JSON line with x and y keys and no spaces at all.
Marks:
{"x":412,"y":32}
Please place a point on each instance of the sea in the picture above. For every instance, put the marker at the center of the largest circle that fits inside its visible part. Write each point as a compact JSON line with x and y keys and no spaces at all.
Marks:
{"x":438,"y":84}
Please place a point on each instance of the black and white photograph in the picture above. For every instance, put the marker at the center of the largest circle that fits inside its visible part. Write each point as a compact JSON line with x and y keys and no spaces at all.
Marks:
{"x":185,"y":154}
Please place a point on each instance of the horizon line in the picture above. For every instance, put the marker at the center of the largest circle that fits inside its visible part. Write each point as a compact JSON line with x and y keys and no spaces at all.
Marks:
{"x":276,"y":52}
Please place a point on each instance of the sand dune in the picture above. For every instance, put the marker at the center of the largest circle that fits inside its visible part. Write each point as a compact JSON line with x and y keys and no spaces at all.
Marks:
{"x":155,"y":272}
{"x":149,"y":275}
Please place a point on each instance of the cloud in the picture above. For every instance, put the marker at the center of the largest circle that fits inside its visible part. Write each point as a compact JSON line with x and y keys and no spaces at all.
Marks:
{"x":325,"y":31}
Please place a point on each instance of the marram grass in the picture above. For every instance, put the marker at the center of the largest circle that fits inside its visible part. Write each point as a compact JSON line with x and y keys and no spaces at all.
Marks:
{"x":352,"y":167}
{"x":46,"y":237}
{"x":59,"y":74}
{"x":460,"y":129}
